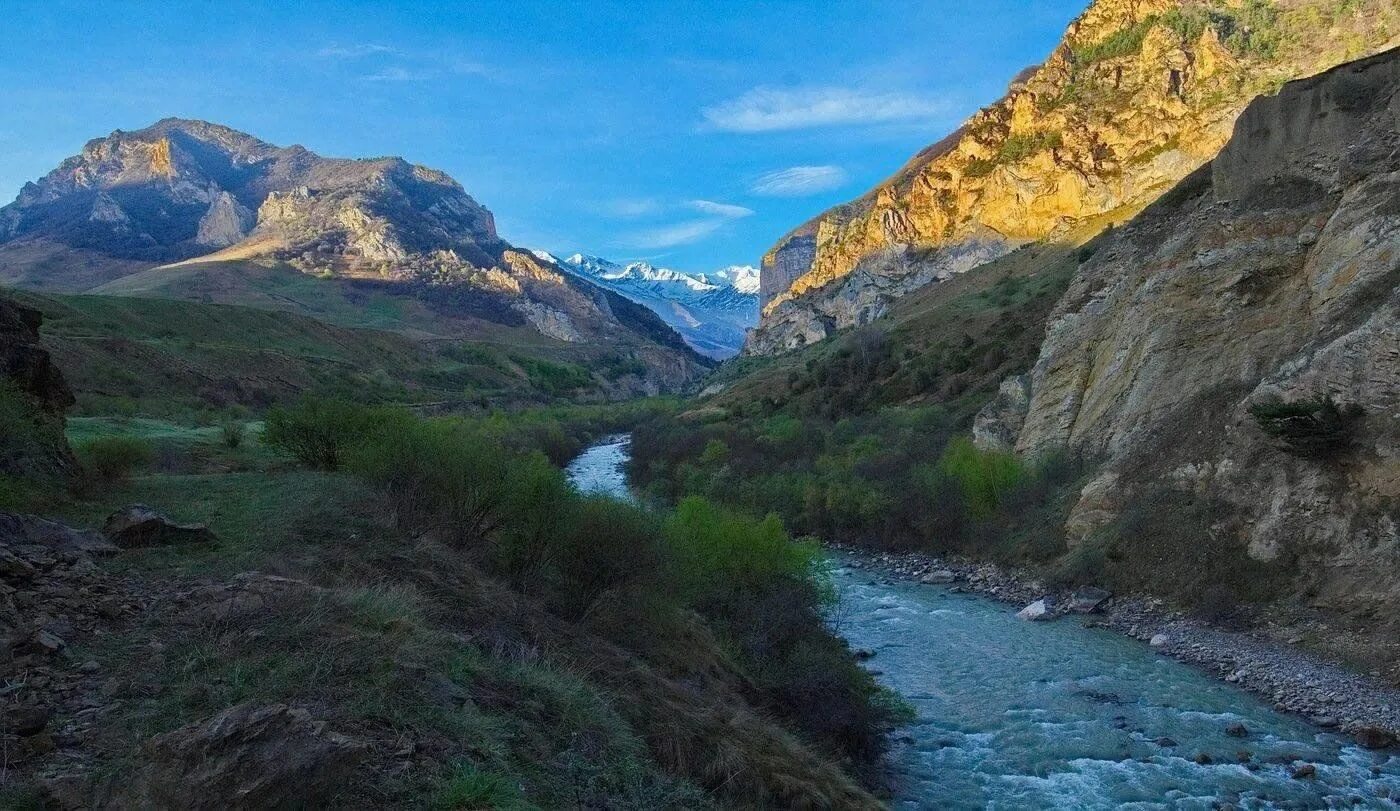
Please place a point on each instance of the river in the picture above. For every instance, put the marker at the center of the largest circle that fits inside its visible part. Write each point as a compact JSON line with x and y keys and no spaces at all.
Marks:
{"x":1019,"y":715}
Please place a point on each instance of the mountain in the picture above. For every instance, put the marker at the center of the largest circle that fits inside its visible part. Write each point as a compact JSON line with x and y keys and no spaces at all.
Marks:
{"x":1232,"y":355}
{"x":193,"y":210}
{"x":1137,"y":95}
{"x":712,"y":311}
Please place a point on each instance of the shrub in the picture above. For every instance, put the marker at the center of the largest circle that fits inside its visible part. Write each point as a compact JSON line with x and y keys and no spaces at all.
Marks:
{"x":114,"y":458}
{"x":606,"y":547}
{"x":714,"y":549}
{"x":317,"y":431}
{"x":1123,"y":42}
{"x":231,"y":434}
{"x":985,"y":477}
{"x":1019,"y":147}
{"x":439,"y":477}
{"x":979,"y":167}
{"x":1313,"y":428}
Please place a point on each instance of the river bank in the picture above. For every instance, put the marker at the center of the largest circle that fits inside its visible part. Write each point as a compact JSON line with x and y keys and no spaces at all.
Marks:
{"x":1296,"y":681}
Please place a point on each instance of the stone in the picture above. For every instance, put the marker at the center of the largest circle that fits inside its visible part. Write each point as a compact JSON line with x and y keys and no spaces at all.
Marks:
{"x":39,"y":540}
{"x":1089,"y":599}
{"x":939,"y":577}
{"x":26,"y":719}
{"x":248,"y":756}
{"x":1037,"y":611}
{"x":138,"y":527}
{"x":1158,"y":640}
{"x":40,"y":743}
{"x":1237,"y":730}
{"x":1372,"y":737}
{"x":1166,"y":742}
{"x":1302,"y":771}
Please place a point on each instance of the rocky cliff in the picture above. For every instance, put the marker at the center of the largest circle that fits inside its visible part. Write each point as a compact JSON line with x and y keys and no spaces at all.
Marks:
{"x":1237,"y":347}
{"x":1137,"y":95}
{"x":180,"y":189}
{"x":114,"y":218}
{"x":33,"y":397}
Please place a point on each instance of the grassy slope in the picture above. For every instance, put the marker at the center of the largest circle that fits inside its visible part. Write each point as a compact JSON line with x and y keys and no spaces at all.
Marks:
{"x":163,"y":357}
{"x":272,"y":286}
{"x":402,"y":642}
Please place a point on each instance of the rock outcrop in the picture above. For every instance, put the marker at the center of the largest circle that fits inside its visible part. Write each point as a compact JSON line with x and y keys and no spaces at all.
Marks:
{"x":247,"y":756}
{"x":1257,"y":300}
{"x":33,"y":397}
{"x":1138,"y":94}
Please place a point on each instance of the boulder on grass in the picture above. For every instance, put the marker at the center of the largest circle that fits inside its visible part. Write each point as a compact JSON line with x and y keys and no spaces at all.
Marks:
{"x":140,"y":527}
{"x":247,"y":756}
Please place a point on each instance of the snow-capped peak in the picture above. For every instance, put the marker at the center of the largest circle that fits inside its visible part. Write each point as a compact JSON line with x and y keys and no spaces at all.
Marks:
{"x":743,"y":278}
{"x":710,"y":310}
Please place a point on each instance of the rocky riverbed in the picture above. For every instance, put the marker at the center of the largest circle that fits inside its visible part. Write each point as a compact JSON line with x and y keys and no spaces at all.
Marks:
{"x":1294,"y":680}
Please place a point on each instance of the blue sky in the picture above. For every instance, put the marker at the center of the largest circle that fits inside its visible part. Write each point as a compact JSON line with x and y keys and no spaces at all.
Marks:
{"x":690,"y":133}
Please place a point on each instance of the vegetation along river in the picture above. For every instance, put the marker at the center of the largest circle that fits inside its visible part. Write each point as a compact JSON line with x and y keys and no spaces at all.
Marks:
{"x":1013,"y":714}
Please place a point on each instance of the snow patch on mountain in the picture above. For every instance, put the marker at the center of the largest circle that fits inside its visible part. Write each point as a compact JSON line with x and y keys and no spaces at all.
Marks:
{"x":712,"y":311}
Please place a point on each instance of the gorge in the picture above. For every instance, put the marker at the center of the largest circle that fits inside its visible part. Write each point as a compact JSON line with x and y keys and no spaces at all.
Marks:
{"x":1062,"y":714}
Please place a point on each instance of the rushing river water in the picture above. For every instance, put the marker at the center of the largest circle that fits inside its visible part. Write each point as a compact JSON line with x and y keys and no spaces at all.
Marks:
{"x":1020,"y":715}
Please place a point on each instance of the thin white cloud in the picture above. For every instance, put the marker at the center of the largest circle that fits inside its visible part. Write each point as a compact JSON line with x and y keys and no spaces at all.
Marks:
{"x":669,"y":236}
{"x":766,"y":109}
{"x":726,"y":210}
{"x":355,"y":51}
{"x":799,"y":181}
{"x":397,"y":74}
{"x":629,"y":207}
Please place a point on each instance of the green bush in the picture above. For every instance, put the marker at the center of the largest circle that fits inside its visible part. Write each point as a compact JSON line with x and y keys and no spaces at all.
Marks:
{"x":1019,"y":147}
{"x":714,"y":548}
{"x":1123,"y":42}
{"x":986,"y":478}
{"x":1315,"y":428}
{"x":606,"y":548}
{"x":317,"y":431}
{"x":114,"y":458}
{"x":231,"y":434}
{"x":441,"y":478}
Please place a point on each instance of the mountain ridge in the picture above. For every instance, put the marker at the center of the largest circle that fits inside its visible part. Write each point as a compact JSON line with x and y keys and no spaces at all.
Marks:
{"x":1136,"y":95}
{"x":187,"y":207}
{"x":712,"y":311}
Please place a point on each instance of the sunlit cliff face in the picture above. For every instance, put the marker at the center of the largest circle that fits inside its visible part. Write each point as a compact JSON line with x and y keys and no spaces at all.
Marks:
{"x":1138,"y":94}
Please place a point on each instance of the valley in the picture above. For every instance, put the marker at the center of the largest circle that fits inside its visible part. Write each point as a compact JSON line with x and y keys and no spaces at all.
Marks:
{"x":1060,"y":469}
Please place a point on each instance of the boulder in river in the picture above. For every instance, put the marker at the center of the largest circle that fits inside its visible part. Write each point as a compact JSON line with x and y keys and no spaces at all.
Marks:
{"x":1303,"y":771}
{"x":1375,"y":738}
{"x":1158,"y":640}
{"x":1237,"y":730}
{"x":1037,"y":611}
{"x":938,"y":577}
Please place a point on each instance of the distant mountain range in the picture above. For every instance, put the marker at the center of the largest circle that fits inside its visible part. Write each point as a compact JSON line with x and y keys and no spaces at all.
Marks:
{"x":198,"y":211}
{"x":712,"y":311}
